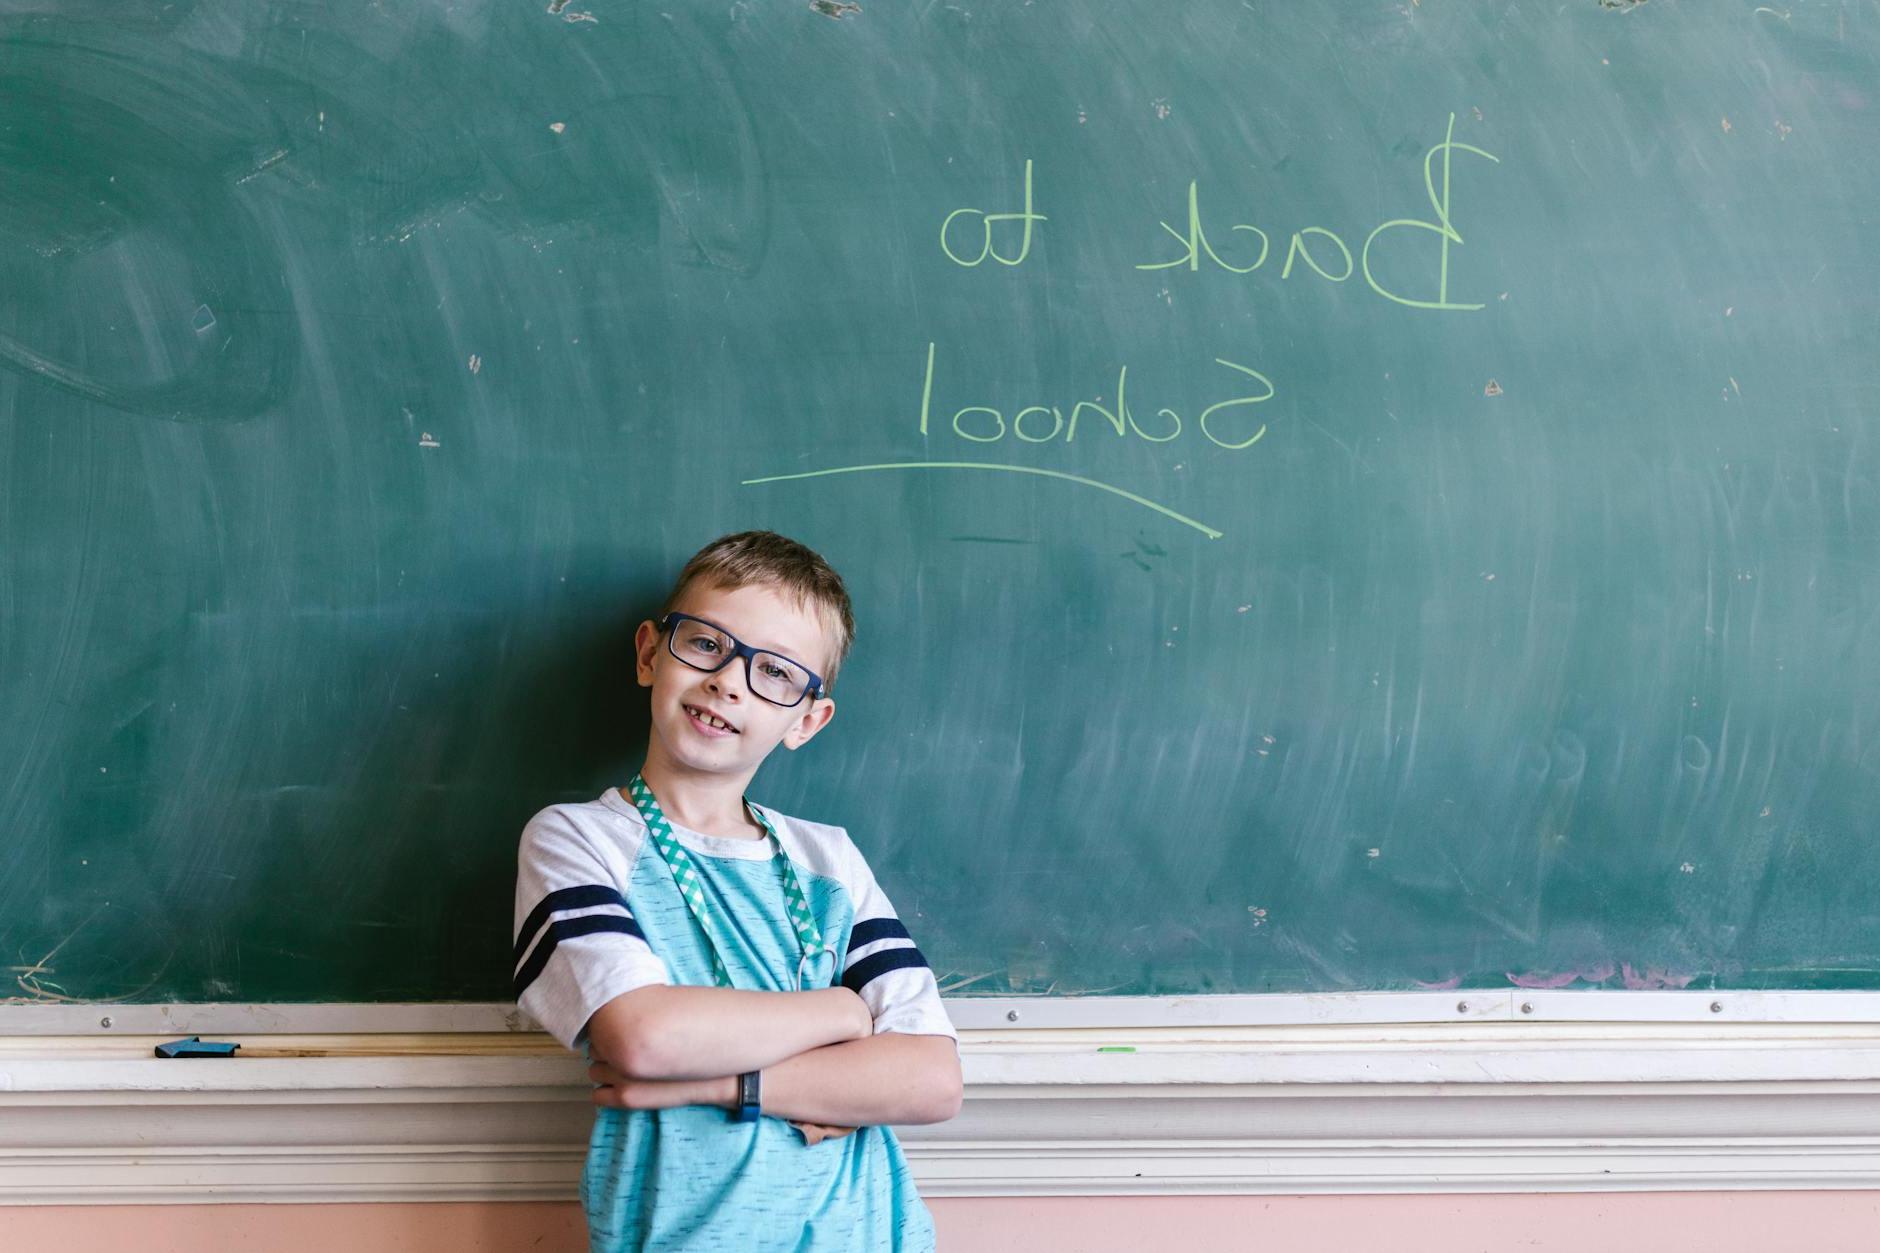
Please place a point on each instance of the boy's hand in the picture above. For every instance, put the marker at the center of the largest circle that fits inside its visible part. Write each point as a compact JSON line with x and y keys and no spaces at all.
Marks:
{"x":815,"y":1133}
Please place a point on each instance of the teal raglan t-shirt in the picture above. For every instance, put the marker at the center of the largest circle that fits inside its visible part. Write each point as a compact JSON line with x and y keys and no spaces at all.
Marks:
{"x":598,"y":914}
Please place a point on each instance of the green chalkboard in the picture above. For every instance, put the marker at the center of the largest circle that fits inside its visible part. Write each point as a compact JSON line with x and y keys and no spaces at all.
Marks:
{"x":1338,"y":495}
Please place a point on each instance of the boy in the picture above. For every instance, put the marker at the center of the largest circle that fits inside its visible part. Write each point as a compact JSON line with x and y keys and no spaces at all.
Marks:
{"x":728,"y":967}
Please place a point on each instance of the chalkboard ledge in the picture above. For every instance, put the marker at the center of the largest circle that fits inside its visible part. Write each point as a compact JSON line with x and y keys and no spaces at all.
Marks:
{"x":1338,"y":1108}
{"x":26,"y":1018}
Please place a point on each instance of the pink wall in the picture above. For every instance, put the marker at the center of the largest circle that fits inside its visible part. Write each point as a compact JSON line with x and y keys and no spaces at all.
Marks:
{"x":1625,"y":1222}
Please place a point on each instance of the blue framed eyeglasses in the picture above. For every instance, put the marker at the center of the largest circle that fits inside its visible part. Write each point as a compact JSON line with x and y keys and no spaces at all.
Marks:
{"x":709,"y":647}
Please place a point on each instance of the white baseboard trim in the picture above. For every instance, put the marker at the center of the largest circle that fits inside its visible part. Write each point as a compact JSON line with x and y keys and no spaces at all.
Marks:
{"x":1467,"y":1107}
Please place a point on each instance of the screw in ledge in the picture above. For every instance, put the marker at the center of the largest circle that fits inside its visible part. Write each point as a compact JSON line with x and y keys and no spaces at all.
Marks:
{"x":1011,"y":1015}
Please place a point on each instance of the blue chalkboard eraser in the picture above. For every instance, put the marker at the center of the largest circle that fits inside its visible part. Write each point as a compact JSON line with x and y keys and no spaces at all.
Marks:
{"x":196,"y":1046}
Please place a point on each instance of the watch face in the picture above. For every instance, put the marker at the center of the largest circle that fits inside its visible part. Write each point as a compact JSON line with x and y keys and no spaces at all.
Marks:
{"x":747,"y":1096}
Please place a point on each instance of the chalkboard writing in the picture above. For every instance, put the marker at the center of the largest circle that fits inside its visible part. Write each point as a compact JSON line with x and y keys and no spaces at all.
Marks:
{"x":987,"y":424}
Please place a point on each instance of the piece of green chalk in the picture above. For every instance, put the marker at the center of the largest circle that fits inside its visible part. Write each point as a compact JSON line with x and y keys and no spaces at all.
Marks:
{"x":1116,"y":1048}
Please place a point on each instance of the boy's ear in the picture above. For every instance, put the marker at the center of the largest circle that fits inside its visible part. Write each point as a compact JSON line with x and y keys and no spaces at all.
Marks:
{"x":814,"y":719}
{"x":645,"y":649}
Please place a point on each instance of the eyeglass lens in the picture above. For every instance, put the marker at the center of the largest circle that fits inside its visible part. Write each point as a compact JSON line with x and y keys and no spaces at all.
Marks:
{"x":776,"y":679}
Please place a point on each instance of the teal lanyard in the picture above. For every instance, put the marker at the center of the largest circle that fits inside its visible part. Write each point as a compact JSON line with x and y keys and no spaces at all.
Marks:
{"x":685,"y":874}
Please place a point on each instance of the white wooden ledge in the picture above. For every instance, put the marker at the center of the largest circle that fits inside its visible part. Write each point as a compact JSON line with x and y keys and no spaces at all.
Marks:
{"x":1464,"y":1107}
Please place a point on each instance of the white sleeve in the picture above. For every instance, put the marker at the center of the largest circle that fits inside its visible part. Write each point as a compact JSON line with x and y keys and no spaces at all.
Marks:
{"x":883,"y":967}
{"x":577,"y":945}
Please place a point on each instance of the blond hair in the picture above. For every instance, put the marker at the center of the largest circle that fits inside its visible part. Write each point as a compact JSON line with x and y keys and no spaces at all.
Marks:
{"x":765,"y":557}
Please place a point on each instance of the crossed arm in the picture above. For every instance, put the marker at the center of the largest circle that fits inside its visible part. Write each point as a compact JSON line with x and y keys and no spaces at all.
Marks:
{"x":823,"y":1065}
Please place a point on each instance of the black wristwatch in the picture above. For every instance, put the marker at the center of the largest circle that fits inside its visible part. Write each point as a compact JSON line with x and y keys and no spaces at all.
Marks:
{"x":750,"y":1108}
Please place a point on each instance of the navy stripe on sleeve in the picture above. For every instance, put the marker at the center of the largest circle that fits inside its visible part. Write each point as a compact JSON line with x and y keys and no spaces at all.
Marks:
{"x":570,"y":929}
{"x":865,"y":971}
{"x":584,"y":897}
{"x":869,"y":930}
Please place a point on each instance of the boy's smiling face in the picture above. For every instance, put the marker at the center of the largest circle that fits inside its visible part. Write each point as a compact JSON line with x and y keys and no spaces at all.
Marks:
{"x":685,"y":700}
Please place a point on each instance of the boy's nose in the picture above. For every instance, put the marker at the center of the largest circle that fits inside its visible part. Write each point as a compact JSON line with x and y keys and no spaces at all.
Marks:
{"x":722,"y":685}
